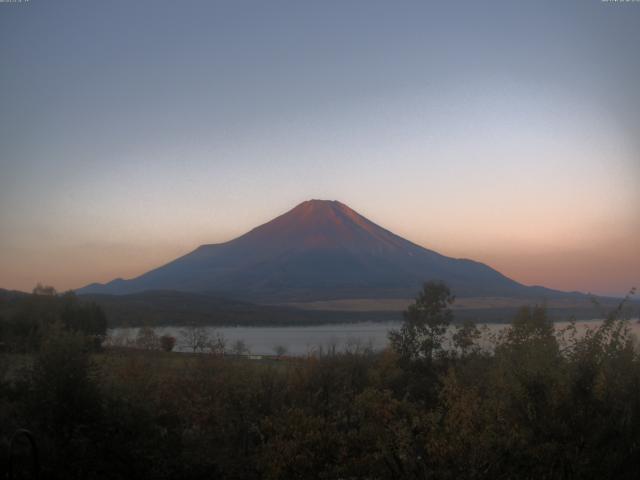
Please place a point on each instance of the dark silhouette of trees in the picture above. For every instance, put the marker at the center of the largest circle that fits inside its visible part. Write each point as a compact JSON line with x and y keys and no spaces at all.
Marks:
{"x":425,"y":324}
{"x":29,"y":318}
{"x":195,"y":338}
{"x":534,"y":402}
{"x":44,"y":290}
{"x":465,"y":338}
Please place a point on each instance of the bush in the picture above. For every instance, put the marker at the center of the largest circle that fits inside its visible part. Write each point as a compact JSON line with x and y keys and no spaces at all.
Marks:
{"x":167,"y":343}
{"x":539,"y":404}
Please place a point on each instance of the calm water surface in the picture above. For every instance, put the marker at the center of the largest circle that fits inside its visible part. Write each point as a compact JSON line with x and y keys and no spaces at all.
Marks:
{"x":309,"y":339}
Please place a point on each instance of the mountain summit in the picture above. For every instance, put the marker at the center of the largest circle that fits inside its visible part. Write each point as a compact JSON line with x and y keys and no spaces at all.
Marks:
{"x":323,"y":224}
{"x":319,"y":250}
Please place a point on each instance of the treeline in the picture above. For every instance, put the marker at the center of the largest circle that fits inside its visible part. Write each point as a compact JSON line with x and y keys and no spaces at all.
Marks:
{"x":171,"y":308}
{"x":26,"y":321}
{"x":190,"y":339}
{"x":534,"y":404}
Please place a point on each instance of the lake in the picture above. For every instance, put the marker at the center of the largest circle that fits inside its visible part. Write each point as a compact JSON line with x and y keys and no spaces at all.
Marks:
{"x":309,"y":339}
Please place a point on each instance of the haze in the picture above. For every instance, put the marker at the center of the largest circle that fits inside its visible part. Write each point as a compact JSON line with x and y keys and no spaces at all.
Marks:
{"x":132,"y":132}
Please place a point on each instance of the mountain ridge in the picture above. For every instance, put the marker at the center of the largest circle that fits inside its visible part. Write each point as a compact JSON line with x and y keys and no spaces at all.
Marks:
{"x":319,"y":250}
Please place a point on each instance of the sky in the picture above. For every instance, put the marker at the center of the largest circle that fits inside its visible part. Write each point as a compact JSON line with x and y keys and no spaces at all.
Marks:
{"x":507,"y":132}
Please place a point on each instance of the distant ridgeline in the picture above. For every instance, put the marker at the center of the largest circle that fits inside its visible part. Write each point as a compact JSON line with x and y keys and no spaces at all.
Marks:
{"x":321,"y":250}
{"x":172,"y":308}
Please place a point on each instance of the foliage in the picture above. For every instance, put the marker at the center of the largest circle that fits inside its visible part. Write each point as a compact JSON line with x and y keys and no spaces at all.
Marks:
{"x":425,"y":324}
{"x":466,"y":337}
{"x":30,"y":317}
{"x":167,"y":343}
{"x":536,"y":403}
{"x":62,"y":401}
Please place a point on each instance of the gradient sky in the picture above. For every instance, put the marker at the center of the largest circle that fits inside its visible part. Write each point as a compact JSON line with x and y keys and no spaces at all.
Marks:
{"x":507,"y":132}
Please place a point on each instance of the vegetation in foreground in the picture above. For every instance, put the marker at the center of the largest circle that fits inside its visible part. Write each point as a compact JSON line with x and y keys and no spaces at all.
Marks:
{"x":538,"y":404}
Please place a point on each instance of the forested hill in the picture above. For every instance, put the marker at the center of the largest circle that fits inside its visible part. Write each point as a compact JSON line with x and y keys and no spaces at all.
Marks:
{"x":164,"y":308}
{"x":183,"y":308}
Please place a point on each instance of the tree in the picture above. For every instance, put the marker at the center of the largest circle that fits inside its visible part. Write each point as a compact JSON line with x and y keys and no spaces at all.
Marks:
{"x":529,"y":325}
{"x":84,"y":317}
{"x":465,"y":338}
{"x":32,"y":315}
{"x":44,"y":290}
{"x":425,"y":324}
{"x":63,"y":383}
{"x":239,"y":347}
{"x":147,"y":339}
{"x":167,"y":343}
{"x":194,"y":338}
{"x":218,"y":344}
{"x":357,"y":346}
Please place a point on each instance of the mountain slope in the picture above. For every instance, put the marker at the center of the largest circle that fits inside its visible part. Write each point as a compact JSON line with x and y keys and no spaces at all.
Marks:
{"x":318,"y":250}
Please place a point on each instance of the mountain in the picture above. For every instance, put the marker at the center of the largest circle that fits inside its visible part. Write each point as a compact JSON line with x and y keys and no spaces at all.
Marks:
{"x":319,"y":250}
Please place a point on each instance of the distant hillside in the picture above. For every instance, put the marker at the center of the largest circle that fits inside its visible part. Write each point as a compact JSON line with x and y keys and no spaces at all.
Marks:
{"x":7,"y":295}
{"x":183,"y":308}
{"x":320,"y":250}
{"x":162,"y":308}
{"x":159,"y":308}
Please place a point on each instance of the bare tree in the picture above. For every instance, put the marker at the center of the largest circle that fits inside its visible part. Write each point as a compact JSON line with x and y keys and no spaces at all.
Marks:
{"x":147,"y":339}
{"x":218,"y":344}
{"x":194,"y":338}
{"x":357,"y":346}
{"x":239,"y":347}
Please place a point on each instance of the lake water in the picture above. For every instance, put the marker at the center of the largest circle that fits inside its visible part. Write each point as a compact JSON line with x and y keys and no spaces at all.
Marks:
{"x":309,"y":339}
